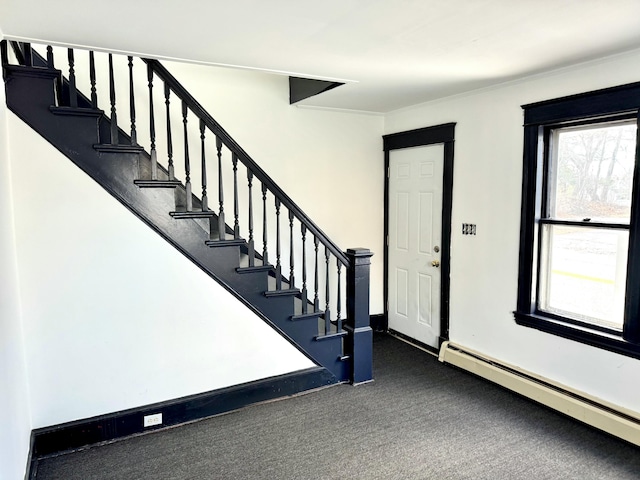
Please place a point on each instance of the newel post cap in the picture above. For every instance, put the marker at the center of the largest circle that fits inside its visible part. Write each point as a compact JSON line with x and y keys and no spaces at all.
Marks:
{"x":359,"y":256}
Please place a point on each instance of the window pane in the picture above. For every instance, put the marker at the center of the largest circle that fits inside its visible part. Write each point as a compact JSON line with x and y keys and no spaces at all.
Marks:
{"x":593,"y":172}
{"x":583,"y":273}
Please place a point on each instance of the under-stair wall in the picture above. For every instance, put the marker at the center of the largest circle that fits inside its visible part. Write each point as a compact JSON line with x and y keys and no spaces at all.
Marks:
{"x":14,"y":400}
{"x":115,"y":317}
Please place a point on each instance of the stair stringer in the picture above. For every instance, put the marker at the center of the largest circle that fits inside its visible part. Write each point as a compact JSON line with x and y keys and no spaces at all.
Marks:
{"x":30,"y":95}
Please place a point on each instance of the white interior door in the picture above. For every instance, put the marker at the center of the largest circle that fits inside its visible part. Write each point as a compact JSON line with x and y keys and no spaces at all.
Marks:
{"x":415,"y":224}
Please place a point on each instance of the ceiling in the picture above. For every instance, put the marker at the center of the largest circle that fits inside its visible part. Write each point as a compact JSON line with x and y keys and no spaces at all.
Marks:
{"x":391,"y":53}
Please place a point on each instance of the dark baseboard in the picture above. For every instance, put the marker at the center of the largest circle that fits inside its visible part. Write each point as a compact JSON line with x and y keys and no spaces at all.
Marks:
{"x":378,"y":322}
{"x":73,"y":435}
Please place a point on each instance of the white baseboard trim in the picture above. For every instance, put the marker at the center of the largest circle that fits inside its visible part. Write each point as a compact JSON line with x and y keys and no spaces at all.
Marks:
{"x":613,"y":419}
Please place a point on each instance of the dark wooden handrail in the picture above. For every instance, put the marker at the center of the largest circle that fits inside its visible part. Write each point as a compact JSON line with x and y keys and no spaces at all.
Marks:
{"x":244,"y":157}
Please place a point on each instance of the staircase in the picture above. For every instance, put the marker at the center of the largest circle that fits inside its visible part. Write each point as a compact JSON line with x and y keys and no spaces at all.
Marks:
{"x":256,"y":242}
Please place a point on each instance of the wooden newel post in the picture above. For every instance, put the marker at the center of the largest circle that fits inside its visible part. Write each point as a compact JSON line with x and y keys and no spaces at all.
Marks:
{"x":359,"y":342}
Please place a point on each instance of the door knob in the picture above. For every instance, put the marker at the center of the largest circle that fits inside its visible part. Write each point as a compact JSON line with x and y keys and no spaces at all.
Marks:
{"x":435,"y":263}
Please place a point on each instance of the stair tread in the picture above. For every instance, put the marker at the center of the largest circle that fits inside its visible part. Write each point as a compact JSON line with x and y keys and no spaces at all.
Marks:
{"x":77,"y":111}
{"x":280,"y":293}
{"x":193,"y":214}
{"x":256,"y":268}
{"x":118,"y":148}
{"x":225,"y":243}
{"x":304,"y":316}
{"x":327,"y":336}
{"x":24,"y":71}
{"x":157,"y":183}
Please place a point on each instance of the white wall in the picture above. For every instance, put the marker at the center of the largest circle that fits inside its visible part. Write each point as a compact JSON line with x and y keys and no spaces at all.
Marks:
{"x":486,"y":191}
{"x":15,"y":420}
{"x":114,"y":317}
{"x":330,"y":163}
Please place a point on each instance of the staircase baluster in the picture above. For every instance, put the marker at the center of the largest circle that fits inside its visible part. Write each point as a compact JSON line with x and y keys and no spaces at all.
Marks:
{"x":187,"y":166}
{"x":327,"y":310}
{"x":73,"y":93}
{"x":205,"y":200}
{"x":278,"y":265}
{"x":28,"y":56}
{"x":292,"y":280}
{"x":316,"y":299}
{"x":222,"y":226}
{"x":152,"y":128}
{"x":304,"y":268}
{"x":171,"y":171}
{"x":132,"y":104}
{"x":92,"y":80}
{"x":112,"y":99}
{"x":251,"y":249}
{"x":339,"y":300}
{"x":236,"y":224}
{"x":265,"y":254}
{"x":50,"y":57}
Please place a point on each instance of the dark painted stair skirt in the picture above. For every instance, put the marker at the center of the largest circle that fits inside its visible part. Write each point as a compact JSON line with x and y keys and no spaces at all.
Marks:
{"x":292,"y":275}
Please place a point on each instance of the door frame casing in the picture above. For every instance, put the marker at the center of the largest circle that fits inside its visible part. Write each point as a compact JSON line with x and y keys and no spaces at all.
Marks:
{"x":421,"y":137}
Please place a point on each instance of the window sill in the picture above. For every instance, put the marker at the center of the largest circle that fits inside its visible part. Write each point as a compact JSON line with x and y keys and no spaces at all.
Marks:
{"x":594,"y":338}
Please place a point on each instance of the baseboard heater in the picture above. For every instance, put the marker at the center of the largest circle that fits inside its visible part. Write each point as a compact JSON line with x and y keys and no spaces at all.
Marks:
{"x":613,"y":419}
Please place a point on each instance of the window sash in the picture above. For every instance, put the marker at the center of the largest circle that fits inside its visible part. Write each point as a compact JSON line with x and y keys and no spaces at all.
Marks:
{"x":600,"y":152}
{"x":583,"y":289}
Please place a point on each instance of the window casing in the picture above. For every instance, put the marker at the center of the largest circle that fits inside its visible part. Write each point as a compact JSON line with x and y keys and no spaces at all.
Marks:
{"x":579,"y":265}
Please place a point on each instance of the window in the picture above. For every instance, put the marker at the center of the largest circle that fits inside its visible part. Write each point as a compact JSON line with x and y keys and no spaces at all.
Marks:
{"x":580,"y":238}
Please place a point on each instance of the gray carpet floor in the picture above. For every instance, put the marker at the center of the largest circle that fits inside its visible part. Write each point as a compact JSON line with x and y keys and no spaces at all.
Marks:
{"x":418,"y":420}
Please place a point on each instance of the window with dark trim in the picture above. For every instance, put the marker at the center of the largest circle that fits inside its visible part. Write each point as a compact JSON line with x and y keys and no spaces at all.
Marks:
{"x":579,"y":270}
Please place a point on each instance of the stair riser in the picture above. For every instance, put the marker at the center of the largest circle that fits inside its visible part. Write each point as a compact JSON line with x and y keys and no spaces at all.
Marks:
{"x":105,"y":133}
{"x":40,"y":91}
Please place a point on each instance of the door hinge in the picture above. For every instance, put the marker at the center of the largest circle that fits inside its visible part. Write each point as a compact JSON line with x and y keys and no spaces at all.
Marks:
{"x":388,"y":172}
